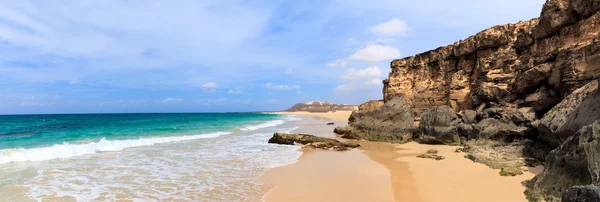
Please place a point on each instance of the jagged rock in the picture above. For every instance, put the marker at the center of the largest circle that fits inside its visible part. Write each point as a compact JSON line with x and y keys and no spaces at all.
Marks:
{"x":346,"y":132}
{"x":468,"y":116}
{"x":588,"y":193}
{"x":438,"y":125}
{"x":574,"y":162}
{"x":391,"y":122}
{"x":466,"y":130}
{"x":370,"y":105}
{"x":577,"y":110}
{"x":511,"y":171}
{"x":527,"y":64}
{"x":490,"y":128}
{"x":311,"y":141}
{"x":506,"y":115}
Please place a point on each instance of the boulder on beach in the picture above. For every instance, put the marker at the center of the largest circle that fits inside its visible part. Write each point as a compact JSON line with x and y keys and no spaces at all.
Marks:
{"x":438,"y":125}
{"x":574,"y":162}
{"x":311,"y":141}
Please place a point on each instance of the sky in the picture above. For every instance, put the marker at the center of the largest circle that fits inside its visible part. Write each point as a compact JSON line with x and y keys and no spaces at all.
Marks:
{"x":132,"y":56}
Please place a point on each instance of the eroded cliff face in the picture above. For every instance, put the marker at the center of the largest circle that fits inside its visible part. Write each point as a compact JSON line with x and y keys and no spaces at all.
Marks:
{"x":532,"y":64}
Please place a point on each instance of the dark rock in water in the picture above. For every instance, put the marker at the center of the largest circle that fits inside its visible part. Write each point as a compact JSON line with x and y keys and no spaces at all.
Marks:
{"x":438,"y":125}
{"x":391,"y":122}
{"x":579,"y":109}
{"x":575,"y":162}
{"x":331,"y":123}
{"x":588,"y":193}
{"x":311,"y":141}
{"x":511,"y":171}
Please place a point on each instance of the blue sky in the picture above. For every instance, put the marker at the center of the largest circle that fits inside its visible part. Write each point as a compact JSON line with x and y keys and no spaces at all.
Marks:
{"x":216,"y":56}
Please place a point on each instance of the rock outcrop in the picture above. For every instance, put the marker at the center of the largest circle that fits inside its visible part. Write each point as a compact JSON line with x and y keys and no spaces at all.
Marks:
{"x":320,"y":106}
{"x":512,"y":93}
{"x":370,"y":105}
{"x":311,"y":141}
{"x":586,"y":193}
{"x":530,"y":65}
{"x":575,"y":162}
{"x":579,"y":109}
{"x":391,"y":122}
{"x":439,"y":125}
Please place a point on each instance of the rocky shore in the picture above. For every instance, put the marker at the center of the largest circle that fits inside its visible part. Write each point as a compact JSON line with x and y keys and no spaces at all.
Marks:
{"x":514,"y":95}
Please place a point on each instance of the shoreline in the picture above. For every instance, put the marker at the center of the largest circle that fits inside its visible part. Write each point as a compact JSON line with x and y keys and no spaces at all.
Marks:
{"x":387,"y":172}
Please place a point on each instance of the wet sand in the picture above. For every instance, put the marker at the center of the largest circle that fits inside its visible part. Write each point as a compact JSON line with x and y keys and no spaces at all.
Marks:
{"x":389,"y":172}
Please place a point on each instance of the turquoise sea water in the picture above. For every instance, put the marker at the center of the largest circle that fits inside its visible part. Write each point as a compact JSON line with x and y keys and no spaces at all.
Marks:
{"x":27,"y":131}
{"x":141,"y":157}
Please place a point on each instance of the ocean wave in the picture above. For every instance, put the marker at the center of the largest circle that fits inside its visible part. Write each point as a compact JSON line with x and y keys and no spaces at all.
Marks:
{"x":66,"y":150}
{"x":262,"y":125}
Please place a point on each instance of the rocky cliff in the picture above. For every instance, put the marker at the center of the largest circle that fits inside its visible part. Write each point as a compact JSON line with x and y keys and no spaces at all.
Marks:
{"x":534,"y":64}
{"x":320,"y":106}
{"x":511,"y":95}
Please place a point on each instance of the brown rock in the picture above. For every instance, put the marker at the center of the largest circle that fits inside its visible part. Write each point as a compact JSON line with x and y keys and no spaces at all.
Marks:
{"x":311,"y":141}
{"x":511,"y":171}
{"x":391,"y":122}
{"x":527,"y":64}
{"x":370,"y":105}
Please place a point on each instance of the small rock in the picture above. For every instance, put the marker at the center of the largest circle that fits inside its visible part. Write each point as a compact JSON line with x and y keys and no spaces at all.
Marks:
{"x":331,"y":123}
{"x":432,"y":151}
{"x":431,"y":154}
{"x":511,"y":171}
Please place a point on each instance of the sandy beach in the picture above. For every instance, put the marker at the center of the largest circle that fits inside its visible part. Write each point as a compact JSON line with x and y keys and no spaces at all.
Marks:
{"x":387,"y":172}
{"x":341,"y":116}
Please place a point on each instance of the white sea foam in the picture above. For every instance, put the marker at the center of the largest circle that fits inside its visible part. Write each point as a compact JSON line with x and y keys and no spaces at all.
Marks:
{"x":262,"y":125}
{"x":66,"y":150}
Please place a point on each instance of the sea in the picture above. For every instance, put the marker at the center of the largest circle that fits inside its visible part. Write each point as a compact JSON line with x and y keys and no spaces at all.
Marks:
{"x":141,"y":157}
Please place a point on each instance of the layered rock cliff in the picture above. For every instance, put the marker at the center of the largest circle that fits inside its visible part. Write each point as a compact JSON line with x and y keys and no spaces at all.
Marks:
{"x":512,"y":95}
{"x":535,"y":63}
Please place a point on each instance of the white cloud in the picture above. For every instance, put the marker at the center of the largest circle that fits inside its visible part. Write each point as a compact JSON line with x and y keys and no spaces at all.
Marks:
{"x":210,"y":85}
{"x":280,"y":87}
{"x":344,"y":88}
{"x":367,"y":73}
{"x":235,"y":92}
{"x":171,"y":100}
{"x":391,"y":27}
{"x":376,"y":53}
{"x":373,"y":82}
{"x":338,"y":63}
{"x":211,"y":101}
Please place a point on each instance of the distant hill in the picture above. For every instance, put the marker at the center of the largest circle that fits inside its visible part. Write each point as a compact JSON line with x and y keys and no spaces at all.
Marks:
{"x":320,"y":106}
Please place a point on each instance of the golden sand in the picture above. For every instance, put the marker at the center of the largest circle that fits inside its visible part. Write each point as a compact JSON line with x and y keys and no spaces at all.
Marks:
{"x":337,"y":115}
{"x":388,"y":172}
